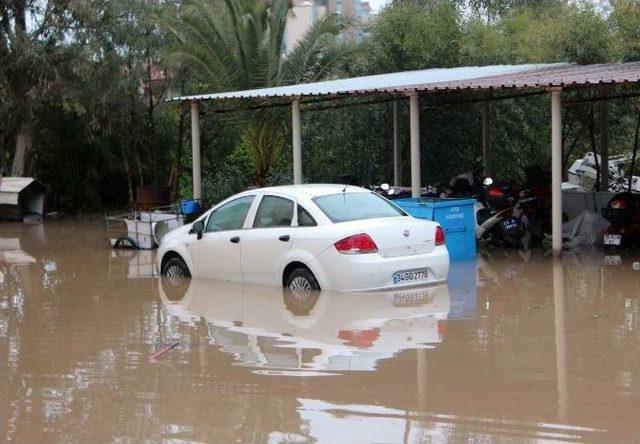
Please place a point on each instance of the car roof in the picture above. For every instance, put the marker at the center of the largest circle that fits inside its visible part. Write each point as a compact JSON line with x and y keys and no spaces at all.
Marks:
{"x":311,"y":190}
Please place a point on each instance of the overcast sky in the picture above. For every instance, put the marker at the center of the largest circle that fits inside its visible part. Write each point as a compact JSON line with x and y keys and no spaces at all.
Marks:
{"x":376,"y":5}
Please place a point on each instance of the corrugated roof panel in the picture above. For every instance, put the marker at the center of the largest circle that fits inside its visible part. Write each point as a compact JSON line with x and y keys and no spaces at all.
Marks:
{"x":442,"y":79}
{"x":393,"y":82}
{"x":14,"y":184}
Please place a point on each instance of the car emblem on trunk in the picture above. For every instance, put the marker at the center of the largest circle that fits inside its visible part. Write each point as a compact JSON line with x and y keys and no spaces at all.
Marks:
{"x":405,"y":233}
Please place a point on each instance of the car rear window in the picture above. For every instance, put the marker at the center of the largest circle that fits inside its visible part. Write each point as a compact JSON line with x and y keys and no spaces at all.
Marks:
{"x":344,"y":207}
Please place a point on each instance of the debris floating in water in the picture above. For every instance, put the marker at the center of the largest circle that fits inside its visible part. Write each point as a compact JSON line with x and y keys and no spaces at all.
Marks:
{"x":163,"y":350}
{"x":636,"y":266}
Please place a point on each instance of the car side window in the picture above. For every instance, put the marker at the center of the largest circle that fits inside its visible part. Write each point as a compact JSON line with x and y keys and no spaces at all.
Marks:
{"x":274,"y":211}
{"x":305,"y":219}
{"x":230,"y":216}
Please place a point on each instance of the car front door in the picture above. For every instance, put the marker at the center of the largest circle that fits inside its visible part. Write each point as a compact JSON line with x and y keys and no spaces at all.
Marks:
{"x":267,"y":242}
{"x":217,"y":254}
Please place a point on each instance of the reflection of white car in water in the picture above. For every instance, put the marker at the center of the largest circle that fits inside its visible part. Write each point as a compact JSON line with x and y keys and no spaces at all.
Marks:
{"x":333,"y":237}
{"x":279,"y":331}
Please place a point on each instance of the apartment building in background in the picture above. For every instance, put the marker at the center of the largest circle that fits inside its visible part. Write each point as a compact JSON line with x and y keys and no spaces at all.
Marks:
{"x":306,"y":12}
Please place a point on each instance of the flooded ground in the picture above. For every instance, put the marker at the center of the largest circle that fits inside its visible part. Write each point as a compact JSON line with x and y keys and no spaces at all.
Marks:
{"x":515,"y":348}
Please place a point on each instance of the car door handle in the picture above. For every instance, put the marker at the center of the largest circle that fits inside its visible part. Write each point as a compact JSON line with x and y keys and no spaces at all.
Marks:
{"x":235,"y":239}
{"x":285,"y":238}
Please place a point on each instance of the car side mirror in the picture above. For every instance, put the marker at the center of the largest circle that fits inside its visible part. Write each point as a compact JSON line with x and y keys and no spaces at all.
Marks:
{"x":197,"y":228}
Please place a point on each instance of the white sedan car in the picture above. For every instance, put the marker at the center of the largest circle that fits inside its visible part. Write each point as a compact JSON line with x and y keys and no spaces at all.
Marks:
{"x":330,"y":237}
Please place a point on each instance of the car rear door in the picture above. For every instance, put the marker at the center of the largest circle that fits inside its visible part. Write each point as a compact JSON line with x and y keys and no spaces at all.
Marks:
{"x":268,"y":241}
{"x":217,"y":254}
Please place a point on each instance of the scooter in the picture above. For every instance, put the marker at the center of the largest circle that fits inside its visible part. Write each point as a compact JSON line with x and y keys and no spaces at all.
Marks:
{"x":623,"y":211}
{"x":499,"y":217}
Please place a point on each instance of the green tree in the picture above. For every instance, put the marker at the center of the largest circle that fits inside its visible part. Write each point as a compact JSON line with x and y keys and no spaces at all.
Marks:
{"x":625,"y":21}
{"x":33,"y":56}
{"x":239,"y":44}
{"x":411,"y":36}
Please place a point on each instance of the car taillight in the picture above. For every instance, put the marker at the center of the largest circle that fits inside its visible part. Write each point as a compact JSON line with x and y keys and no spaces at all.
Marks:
{"x":439,"y":236}
{"x":495,"y":192}
{"x":356,"y":244}
{"x":620,"y":204}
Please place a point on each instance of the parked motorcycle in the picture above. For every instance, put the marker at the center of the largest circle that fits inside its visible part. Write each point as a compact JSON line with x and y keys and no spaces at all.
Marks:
{"x":500,"y":218}
{"x":623,"y":211}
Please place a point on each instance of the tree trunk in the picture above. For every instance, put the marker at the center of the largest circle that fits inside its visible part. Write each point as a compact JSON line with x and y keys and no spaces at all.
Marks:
{"x":24,"y":144}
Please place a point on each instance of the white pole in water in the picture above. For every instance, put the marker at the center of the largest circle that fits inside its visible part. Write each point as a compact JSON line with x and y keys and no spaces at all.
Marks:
{"x":297,"y":142}
{"x":561,"y":339}
{"x":414,"y":117}
{"x":195,"y":151}
{"x":397,"y":155}
{"x":556,"y":170}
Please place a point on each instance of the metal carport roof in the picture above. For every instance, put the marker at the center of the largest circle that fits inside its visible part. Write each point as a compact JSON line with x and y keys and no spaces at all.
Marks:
{"x":451,"y":79}
{"x":551,"y":77}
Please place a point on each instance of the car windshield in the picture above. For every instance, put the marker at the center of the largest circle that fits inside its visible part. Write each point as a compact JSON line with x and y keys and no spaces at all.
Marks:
{"x":343,"y":207}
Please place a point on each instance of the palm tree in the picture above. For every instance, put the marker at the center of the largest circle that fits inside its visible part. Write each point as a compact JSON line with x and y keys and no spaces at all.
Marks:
{"x":239,"y":44}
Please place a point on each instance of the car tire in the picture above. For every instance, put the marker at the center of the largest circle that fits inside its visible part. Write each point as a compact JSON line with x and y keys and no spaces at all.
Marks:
{"x":175,"y":278}
{"x":301,"y":280}
{"x":175,"y":267}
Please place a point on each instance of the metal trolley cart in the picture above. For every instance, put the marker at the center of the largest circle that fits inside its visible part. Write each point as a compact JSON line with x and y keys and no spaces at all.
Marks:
{"x":145,"y":229}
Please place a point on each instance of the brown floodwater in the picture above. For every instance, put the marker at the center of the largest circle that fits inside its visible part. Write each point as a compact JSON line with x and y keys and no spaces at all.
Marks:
{"x":515,"y":348}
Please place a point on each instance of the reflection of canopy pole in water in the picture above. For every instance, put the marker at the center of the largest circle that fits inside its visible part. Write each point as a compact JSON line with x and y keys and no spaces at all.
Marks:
{"x":561,"y":341}
{"x":421,"y":375}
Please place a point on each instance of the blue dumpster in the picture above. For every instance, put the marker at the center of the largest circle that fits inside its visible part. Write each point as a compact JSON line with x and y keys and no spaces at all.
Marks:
{"x":457,"y":218}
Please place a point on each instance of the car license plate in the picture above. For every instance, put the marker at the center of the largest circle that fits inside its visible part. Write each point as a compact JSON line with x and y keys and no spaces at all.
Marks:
{"x":612,"y":260}
{"x":411,"y":276}
{"x":613,"y":239}
{"x":510,"y":224}
{"x":412,"y":298}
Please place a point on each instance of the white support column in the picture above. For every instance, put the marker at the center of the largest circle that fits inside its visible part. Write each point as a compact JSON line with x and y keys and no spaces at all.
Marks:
{"x":297,"y":142}
{"x":556,"y":170}
{"x":414,"y":116}
{"x":486,"y":139}
{"x":195,"y":151}
{"x":604,"y":144}
{"x":397,"y":154}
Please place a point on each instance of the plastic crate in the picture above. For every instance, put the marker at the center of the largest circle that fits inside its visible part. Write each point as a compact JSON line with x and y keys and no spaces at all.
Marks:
{"x":457,"y":218}
{"x":189,"y":207}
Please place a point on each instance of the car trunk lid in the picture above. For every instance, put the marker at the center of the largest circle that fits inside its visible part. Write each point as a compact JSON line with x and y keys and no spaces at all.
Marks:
{"x":400,"y":236}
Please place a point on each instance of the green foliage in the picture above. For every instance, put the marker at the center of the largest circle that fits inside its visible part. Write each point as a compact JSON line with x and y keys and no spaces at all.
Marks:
{"x":239,"y":44}
{"x":625,"y":21}
{"x":232,"y":176}
{"x":410,"y":36}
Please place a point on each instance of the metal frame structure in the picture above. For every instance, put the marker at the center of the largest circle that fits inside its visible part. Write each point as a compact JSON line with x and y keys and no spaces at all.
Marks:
{"x":528,"y":79}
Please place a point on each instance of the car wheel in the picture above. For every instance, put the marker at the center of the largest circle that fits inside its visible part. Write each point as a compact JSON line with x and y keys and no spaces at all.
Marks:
{"x":301,"y":282}
{"x":176,"y":277}
{"x":175,"y":268}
